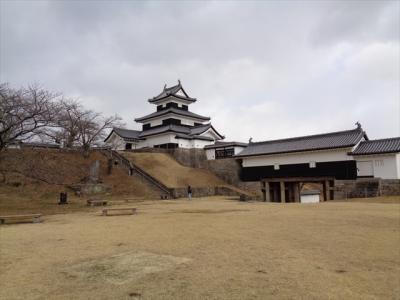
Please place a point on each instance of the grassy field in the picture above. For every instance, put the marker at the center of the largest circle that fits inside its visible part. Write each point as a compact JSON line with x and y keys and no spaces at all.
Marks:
{"x":208,"y":248}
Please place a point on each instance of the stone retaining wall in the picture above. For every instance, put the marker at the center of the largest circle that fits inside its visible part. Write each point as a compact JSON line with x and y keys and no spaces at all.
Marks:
{"x":204,"y":192}
{"x":253,"y":187}
{"x":368,"y":187}
{"x":390,"y":187}
{"x":194,"y":158}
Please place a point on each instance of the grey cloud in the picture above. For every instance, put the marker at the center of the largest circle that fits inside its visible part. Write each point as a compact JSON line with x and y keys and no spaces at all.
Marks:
{"x":357,"y":21}
{"x":262,"y":69}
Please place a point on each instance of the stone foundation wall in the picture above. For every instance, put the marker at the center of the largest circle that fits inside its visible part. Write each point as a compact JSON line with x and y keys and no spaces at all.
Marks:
{"x":390,"y":187}
{"x":204,"y":192}
{"x":228,"y":169}
{"x":368,"y":187}
{"x":91,"y":188}
{"x":194,"y":158}
{"x":253,"y":187}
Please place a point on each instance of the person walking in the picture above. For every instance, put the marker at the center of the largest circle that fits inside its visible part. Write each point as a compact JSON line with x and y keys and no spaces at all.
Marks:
{"x":189,"y":191}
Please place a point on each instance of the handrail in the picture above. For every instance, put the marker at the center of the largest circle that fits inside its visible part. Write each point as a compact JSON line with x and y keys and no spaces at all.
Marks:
{"x":131,"y":166}
{"x":151,"y":178}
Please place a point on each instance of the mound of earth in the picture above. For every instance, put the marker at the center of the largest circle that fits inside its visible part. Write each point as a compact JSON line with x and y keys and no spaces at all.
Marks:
{"x":167,"y":170}
{"x":41,"y":174}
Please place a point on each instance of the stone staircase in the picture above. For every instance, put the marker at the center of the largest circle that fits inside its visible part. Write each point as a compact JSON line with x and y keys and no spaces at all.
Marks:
{"x":133,"y":169}
{"x":128,"y":161}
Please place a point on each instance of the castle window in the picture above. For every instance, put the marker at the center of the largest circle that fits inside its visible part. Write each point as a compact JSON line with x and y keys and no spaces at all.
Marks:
{"x":171,"y":104}
{"x":222,"y":153}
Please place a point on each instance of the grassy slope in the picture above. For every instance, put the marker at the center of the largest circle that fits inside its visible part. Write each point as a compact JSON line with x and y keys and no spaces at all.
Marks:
{"x":167,"y":170}
{"x":42,"y":174}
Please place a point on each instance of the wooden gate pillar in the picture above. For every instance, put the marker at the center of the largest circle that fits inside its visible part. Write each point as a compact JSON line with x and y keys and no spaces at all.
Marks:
{"x":282,"y":184}
{"x":297,"y":192}
{"x":327,"y":192}
{"x":267,"y":193}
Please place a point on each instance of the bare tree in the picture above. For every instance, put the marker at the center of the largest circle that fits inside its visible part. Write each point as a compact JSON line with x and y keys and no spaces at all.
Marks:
{"x":92,"y":128}
{"x":33,"y":111}
{"x":66,"y":127}
{"x":24,"y":113}
{"x":81,"y":127}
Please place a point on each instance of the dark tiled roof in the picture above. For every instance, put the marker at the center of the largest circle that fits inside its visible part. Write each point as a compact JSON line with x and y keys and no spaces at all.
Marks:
{"x":179,"y":129}
{"x":172,"y":110}
{"x":193,"y":137}
{"x":391,"y":145}
{"x":310,"y":192}
{"x":200,"y":128}
{"x":340,"y":139}
{"x":225,"y":144}
{"x":125,"y":133}
{"x":166,"y":128}
{"x":172,"y":91}
{"x":203,"y":128}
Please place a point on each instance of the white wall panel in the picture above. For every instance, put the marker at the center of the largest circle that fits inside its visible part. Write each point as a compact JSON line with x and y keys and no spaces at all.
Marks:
{"x":297,"y":158}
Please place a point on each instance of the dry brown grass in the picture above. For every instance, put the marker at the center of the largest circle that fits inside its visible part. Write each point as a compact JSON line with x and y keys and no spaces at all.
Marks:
{"x":208,"y":248}
{"x":167,"y":170}
{"x":42,"y":174}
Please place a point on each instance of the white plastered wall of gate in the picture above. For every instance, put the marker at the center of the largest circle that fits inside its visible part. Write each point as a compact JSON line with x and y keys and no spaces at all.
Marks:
{"x":385,"y":166}
{"x":298,"y":158}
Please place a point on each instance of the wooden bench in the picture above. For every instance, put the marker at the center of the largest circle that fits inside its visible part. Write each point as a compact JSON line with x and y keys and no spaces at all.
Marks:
{"x":96,"y":202}
{"x":124,"y":211}
{"x":34,"y":218}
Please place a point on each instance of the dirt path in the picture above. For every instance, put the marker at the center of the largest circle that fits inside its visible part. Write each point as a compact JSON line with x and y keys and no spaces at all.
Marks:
{"x":208,"y":248}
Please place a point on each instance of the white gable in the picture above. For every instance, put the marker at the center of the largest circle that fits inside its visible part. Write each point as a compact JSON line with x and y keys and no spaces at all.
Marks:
{"x":211,"y":133}
{"x":180,"y":93}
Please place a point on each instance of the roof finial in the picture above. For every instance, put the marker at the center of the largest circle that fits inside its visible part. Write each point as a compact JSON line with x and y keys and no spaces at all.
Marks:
{"x":179,"y":82}
{"x":250,"y":140}
{"x":165,"y":86}
{"x":358,"y":124}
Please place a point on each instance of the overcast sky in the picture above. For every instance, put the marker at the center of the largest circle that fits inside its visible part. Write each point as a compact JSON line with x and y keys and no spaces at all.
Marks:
{"x":265,"y":70}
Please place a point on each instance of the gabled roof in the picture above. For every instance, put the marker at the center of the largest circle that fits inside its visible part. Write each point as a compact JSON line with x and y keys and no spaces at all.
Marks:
{"x":226,"y":144}
{"x":390,"y":145}
{"x":166,"y":128}
{"x":126,"y":134}
{"x":179,"y":129}
{"x":172,"y":110}
{"x":196,"y":130}
{"x":333,"y":140}
{"x":172,"y":91}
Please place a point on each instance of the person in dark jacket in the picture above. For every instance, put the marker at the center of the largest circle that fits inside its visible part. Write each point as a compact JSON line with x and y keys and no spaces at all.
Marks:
{"x":189,"y":191}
